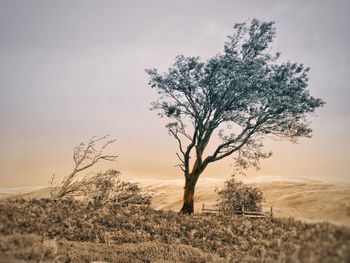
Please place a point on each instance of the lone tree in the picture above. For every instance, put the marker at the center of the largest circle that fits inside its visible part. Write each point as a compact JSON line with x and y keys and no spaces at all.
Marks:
{"x":241,"y":95}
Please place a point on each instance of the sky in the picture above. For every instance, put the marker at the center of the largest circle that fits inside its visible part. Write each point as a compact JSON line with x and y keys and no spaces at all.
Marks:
{"x":70,"y":70}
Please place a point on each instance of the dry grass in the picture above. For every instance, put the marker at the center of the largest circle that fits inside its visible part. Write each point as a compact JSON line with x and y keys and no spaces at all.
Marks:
{"x":28,"y":248}
{"x":203,"y":237}
{"x":142,"y":252}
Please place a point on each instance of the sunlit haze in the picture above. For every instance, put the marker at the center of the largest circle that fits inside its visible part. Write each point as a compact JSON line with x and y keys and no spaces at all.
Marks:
{"x":73,"y":69}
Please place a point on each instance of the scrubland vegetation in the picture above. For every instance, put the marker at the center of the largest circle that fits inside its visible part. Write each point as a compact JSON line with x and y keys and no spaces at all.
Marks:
{"x":69,"y":230}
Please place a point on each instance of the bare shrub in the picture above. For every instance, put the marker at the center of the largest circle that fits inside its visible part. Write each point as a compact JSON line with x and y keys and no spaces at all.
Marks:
{"x":85,"y":156}
{"x":236,"y":194}
{"x":109,"y":189}
{"x":98,"y":189}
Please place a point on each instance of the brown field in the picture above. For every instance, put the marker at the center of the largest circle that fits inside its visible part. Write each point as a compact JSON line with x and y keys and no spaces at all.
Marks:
{"x":46,"y":230}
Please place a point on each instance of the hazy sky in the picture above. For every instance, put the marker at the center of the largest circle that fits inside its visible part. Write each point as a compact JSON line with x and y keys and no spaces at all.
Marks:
{"x":73,"y":69}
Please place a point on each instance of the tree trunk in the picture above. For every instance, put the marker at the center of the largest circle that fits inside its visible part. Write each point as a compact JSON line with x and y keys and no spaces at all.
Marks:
{"x":64,"y":187}
{"x":188,"y":198}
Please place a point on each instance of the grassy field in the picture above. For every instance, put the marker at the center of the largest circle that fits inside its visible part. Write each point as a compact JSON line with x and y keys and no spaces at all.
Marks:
{"x":68,"y":230}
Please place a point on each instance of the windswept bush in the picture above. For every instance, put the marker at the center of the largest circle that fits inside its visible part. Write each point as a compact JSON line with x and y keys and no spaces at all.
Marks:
{"x":236,"y":194}
{"x":85,"y":155}
{"x":109,"y":189}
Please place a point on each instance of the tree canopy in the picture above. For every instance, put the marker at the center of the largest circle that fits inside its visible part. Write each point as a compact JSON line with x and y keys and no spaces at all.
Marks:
{"x":244,"y":93}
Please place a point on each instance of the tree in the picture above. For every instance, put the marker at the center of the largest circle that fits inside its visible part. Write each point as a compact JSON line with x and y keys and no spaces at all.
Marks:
{"x":243,"y":95}
{"x":85,"y":156}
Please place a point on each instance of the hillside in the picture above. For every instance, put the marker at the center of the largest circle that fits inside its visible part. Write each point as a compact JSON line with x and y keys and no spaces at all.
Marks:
{"x":69,"y":230}
{"x":308,"y":200}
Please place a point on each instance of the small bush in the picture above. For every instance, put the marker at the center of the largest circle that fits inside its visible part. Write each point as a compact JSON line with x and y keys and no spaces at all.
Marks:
{"x":108,"y":189}
{"x":236,"y":194}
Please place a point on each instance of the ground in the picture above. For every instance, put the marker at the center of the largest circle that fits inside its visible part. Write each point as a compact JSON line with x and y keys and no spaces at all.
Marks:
{"x":71,"y":231}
